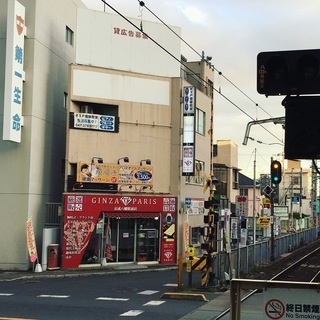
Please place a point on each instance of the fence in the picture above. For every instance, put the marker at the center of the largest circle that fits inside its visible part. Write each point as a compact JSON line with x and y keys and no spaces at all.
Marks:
{"x":254,"y":255}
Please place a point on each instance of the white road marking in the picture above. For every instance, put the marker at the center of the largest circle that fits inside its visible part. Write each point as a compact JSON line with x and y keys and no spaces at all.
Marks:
{"x":170,"y":285}
{"x":148,"y":292}
{"x":112,"y":299}
{"x":154,"y":303}
{"x":6,"y":294}
{"x":131,"y":313}
{"x":52,"y":296}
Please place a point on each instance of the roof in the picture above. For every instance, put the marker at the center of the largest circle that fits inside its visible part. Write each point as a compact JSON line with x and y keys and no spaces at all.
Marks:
{"x":245,"y":181}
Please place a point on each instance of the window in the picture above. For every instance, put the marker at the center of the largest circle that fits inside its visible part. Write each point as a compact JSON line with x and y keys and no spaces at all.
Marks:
{"x":65,"y":100}
{"x":244,"y":192}
{"x":198,"y":177}
{"x":200,"y":121}
{"x":295,"y":180}
{"x":69,"y":35}
{"x":235,"y":174}
{"x":195,"y":235}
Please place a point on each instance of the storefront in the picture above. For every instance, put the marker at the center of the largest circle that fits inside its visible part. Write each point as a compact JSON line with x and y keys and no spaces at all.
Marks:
{"x":118,"y":228}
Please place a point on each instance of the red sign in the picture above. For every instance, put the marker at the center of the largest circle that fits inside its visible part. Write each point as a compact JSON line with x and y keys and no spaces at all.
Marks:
{"x":89,"y":203}
{"x":31,"y":243}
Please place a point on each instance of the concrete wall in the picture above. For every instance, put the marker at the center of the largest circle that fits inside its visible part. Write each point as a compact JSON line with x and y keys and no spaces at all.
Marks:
{"x":32,"y":173}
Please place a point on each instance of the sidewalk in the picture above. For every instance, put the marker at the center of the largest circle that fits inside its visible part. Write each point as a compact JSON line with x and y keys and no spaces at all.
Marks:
{"x":211,"y":309}
{"x":81,"y":272}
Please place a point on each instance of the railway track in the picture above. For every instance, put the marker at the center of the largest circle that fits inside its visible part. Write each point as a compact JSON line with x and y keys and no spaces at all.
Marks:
{"x":302,"y":267}
{"x":305,"y":269}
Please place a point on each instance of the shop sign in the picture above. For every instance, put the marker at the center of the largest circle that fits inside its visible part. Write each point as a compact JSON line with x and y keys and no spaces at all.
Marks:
{"x":242,"y":205}
{"x":14,"y":74}
{"x":31,"y":243}
{"x":194,"y":205}
{"x":91,"y":121}
{"x":112,"y":173}
{"x":80,"y":202}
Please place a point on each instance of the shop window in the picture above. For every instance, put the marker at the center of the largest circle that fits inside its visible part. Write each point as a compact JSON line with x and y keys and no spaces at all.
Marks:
{"x":195,"y":235}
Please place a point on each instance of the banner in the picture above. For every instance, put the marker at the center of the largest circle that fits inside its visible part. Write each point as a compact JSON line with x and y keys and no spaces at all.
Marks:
{"x":108,"y":248}
{"x":31,"y":243}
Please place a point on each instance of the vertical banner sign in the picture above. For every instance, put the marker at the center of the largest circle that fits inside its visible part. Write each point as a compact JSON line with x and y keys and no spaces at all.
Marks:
{"x":189,"y":101}
{"x":31,"y":242}
{"x":14,"y":76}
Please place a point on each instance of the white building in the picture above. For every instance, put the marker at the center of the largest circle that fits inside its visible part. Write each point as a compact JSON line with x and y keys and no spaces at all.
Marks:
{"x":80,"y":61}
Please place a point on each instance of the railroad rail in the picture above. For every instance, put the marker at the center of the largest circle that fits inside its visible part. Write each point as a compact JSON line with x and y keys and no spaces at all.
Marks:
{"x":305,"y":268}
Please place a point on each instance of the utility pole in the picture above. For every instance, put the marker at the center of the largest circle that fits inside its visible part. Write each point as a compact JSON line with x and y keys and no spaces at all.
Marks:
{"x":254,"y":196}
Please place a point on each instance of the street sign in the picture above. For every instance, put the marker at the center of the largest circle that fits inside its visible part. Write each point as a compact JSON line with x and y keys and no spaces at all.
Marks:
{"x":242,"y":205}
{"x":267,"y":190}
{"x":264,"y":222}
{"x":287,"y":303}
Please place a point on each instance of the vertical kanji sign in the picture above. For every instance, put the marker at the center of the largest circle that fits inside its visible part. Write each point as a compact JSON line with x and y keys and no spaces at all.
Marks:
{"x":14,"y":75}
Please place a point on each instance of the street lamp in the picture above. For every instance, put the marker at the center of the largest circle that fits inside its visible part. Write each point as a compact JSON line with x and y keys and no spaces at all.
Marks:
{"x":125,"y":159}
{"x":100,"y":160}
{"x":147,"y":161}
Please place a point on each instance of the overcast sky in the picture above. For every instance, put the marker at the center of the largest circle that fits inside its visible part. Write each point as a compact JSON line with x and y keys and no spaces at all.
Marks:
{"x":233,"y":32}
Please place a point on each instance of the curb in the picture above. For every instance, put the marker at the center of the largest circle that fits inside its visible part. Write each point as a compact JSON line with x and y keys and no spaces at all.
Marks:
{"x":184,"y":296}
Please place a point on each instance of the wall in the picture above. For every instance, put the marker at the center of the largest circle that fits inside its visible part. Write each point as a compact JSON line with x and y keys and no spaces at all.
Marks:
{"x":32,"y":172}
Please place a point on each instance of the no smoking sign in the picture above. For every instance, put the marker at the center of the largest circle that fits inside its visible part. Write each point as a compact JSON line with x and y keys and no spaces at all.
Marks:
{"x":274,"y":309}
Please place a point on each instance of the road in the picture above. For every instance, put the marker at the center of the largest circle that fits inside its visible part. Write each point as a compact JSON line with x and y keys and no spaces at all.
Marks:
{"x":135,"y":294}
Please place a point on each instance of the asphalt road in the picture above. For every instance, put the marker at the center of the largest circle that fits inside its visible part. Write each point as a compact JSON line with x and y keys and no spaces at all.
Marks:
{"x":136,"y":294}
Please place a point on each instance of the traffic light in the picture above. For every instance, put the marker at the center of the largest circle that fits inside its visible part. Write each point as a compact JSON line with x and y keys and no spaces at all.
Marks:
{"x":302,"y":127}
{"x":288,"y":72}
{"x":275,"y":172}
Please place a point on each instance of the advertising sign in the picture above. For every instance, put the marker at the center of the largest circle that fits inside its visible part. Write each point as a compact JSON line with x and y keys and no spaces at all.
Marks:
{"x":242,"y":205}
{"x":188,"y":156}
{"x":194,"y":205}
{"x":112,"y":173}
{"x":14,"y":76}
{"x":188,"y":160}
{"x":97,"y":172}
{"x":31,"y":243}
{"x":94,"y":122}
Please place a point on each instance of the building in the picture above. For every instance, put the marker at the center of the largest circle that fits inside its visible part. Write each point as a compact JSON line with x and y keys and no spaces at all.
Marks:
{"x":227,"y":173}
{"x":119,"y":136}
{"x":32,"y":148}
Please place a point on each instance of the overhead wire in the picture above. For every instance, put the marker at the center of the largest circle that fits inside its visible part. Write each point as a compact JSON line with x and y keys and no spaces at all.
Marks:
{"x":142,"y":4}
{"x":196,"y":76}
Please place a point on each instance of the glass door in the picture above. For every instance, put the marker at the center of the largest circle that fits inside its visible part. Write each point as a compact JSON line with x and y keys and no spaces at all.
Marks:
{"x":126,"y":238}
{"x":148,"y":240}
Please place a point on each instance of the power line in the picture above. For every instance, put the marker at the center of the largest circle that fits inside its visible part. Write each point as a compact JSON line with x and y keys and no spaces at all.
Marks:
{"x":190,"y":70}
{"x":142,"y":4}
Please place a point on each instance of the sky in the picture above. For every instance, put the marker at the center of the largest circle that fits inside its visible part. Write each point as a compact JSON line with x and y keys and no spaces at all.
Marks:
{"x":233,"y":32}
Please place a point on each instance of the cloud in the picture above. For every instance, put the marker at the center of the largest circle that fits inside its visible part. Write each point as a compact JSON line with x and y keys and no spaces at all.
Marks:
{"x":194,"y":14}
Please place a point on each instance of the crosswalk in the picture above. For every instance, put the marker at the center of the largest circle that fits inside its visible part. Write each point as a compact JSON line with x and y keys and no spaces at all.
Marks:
{"x":128,"y":313}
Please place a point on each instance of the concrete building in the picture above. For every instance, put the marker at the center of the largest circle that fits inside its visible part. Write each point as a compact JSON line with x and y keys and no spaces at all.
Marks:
{"x":97,"y":90}
{"x":33,"y":162}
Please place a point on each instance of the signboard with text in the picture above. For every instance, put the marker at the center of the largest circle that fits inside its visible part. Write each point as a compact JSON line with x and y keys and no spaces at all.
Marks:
{"x":112,"y":173}
{"x":94,"y":122}
{"x":14,"y":74}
